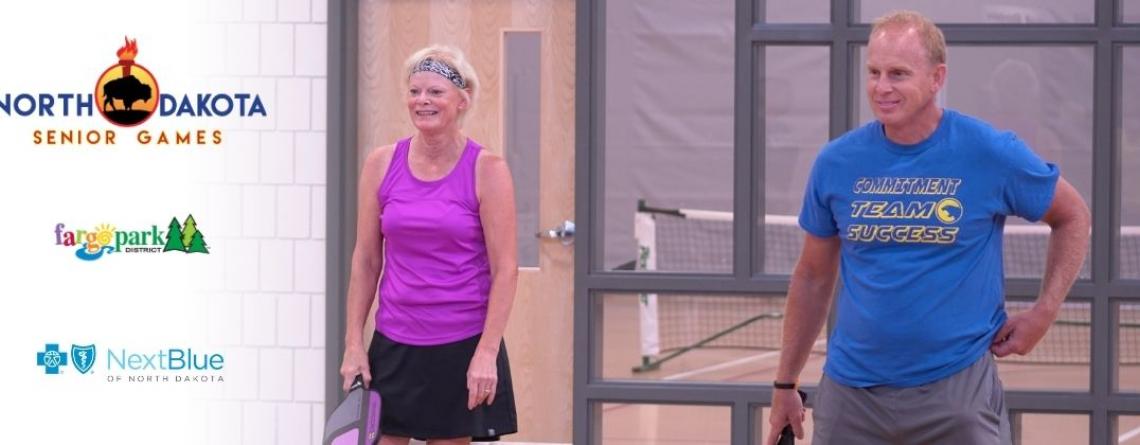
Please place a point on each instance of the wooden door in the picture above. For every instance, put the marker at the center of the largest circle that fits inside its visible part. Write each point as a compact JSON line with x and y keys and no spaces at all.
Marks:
{"x":540,"y":333}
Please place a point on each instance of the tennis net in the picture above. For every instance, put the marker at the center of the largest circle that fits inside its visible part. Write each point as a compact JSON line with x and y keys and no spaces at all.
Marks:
{"x":686,"y":240}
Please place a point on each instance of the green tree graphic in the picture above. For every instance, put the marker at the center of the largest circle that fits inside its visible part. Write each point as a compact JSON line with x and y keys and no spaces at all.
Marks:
{"x":189,"y":230}
{"x":198,"y":244}
{"x":174,"y":237}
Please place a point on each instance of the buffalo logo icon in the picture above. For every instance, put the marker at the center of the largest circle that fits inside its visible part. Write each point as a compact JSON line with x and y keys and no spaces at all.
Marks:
{"x":127,"y":93}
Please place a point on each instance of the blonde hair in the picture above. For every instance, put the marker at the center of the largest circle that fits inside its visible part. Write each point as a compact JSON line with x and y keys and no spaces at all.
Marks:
{"x":455,"y":59}
{"x":932,"y":38}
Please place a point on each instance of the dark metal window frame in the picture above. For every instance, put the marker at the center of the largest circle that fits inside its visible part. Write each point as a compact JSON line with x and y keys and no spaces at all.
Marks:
{"x":1107,"y":35}
{"x":843,"y":36}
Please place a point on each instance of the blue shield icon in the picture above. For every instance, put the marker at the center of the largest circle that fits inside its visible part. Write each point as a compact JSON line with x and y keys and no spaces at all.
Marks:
{"x":83,"y":357}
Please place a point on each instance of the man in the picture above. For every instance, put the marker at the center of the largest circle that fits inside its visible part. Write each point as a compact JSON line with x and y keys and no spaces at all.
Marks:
{"x":914,"y":204}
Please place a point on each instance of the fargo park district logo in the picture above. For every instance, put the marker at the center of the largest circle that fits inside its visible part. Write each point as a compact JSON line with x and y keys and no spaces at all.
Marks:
{"x":127,"y":93}
{"x":105,"y":239}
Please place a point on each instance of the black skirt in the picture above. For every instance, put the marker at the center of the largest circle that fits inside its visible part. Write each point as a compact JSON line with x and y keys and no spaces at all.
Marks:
{"x":423,"y":391}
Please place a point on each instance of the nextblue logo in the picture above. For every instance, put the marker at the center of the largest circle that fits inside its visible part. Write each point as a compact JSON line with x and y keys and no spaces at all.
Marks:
{"x":173,"y":359}
{"x":167,"y":365}
{"x":51,"y":359}
{"x":82,"y":357}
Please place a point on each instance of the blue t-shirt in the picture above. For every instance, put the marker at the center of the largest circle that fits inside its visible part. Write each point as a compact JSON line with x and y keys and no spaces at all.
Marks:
{"x":921,"y":234}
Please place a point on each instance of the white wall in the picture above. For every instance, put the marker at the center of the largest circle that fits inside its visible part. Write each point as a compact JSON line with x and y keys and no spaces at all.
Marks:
{"x":266,"y":306}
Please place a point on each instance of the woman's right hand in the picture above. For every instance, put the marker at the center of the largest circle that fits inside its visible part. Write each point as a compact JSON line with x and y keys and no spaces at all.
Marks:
{"x":355,"y":363}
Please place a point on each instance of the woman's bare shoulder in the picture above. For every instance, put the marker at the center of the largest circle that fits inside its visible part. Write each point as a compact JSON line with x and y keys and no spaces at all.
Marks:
{"x":376,"y":163}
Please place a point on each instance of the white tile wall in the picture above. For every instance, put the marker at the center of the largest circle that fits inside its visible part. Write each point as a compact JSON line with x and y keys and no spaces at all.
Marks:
{"x":293,"y":424}
{"x":260,"y":11}
{"x":276,"y":49}
{"x":277,"y":157}
{"x":223,"y":312}
{"x":320,"y":108}
{"x":294,"y":94}
{"x":222,"y":420}
{"x":224,"y":11}
{"x":311,"y":157}
{"x":317,"y":327}
{"x":241,"y":374}
{"x":318,"y":423}
{"x":320,"y":11}
{"x":266,"y":307}
{"x":294,"y":10}
{"x":212,"y":43}
{"x":311,"y":262}
{"x":259,"y":421}
{"x":241,"y":264}
{"x":293,"y":211}
{"x":276,"y":374}
{"x":242,"y":50}
{"x":210,"y":276}
{"x":309,"y":375}
{"x":258,"y":215}
{"x":224,"y":199}
{"x":318,"y":227}
{"x":277,"y":265}
{"x":311,"y":49}
{"x":241,"y":156}
{"x":293,"y":320}
{"x":259,"y":320}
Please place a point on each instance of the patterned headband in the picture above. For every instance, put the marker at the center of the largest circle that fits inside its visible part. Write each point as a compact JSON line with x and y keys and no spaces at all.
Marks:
{"x":443,"y":69}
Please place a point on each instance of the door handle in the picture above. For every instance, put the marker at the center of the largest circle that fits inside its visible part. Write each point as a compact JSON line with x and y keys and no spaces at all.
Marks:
{"x":563,"y":233}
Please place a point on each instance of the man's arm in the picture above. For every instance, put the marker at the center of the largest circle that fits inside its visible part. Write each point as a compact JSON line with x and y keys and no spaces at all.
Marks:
{"x":1068,"y":217}
{"x":809,"y":298}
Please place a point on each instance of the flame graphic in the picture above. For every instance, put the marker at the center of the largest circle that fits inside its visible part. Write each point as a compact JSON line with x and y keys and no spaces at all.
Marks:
{"x":129,"y":50}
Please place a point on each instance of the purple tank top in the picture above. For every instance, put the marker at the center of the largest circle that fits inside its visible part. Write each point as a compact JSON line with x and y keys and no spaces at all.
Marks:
{"x":437,"y":278}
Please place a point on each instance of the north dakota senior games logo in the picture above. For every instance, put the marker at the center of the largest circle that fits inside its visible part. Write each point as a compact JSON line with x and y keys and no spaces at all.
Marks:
{"x":105,"y":239}
{"x":127,"y":95}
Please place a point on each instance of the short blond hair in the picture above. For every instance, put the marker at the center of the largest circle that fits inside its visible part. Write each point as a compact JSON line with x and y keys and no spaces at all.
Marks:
{"x":932,"y":38}
{"x":455,"y":59}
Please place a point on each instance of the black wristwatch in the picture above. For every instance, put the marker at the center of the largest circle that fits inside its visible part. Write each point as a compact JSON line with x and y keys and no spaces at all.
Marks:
{"x":784,"y":385}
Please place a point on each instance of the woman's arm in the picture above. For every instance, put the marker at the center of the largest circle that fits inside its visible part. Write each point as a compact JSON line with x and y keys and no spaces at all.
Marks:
{"x":367,"y":261}
{"x":496,"y":193}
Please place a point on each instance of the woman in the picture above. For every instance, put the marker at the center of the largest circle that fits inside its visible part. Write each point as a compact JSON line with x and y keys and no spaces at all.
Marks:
{"x":437,"y":215}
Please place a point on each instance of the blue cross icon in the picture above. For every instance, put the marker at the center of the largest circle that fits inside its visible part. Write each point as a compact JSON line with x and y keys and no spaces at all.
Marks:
{"x":51,"y":359}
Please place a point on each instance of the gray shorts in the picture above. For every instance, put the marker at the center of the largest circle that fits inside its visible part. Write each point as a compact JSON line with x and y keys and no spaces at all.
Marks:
{"x":965,"y":408}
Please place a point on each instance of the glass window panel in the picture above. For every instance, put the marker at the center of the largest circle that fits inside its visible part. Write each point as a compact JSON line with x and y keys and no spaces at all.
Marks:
{"x":797,"y":11}
{"x":1128,"y":430}
{"x":984,"y":11}
{"x":1052,"y":428}
{"x":685,"y":337}
{"x":1060,"y":361}
{"x":1128,"y":347}
{"x":1020,"y":89}
{"x":650,"y":424}
{"x":668,"y":116}
{"x":793,"y":97}
{"x":760,"y":416}
{"x":522,"y":60}
{"x":1129,"y":133}
{"x":1130,"y":10}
